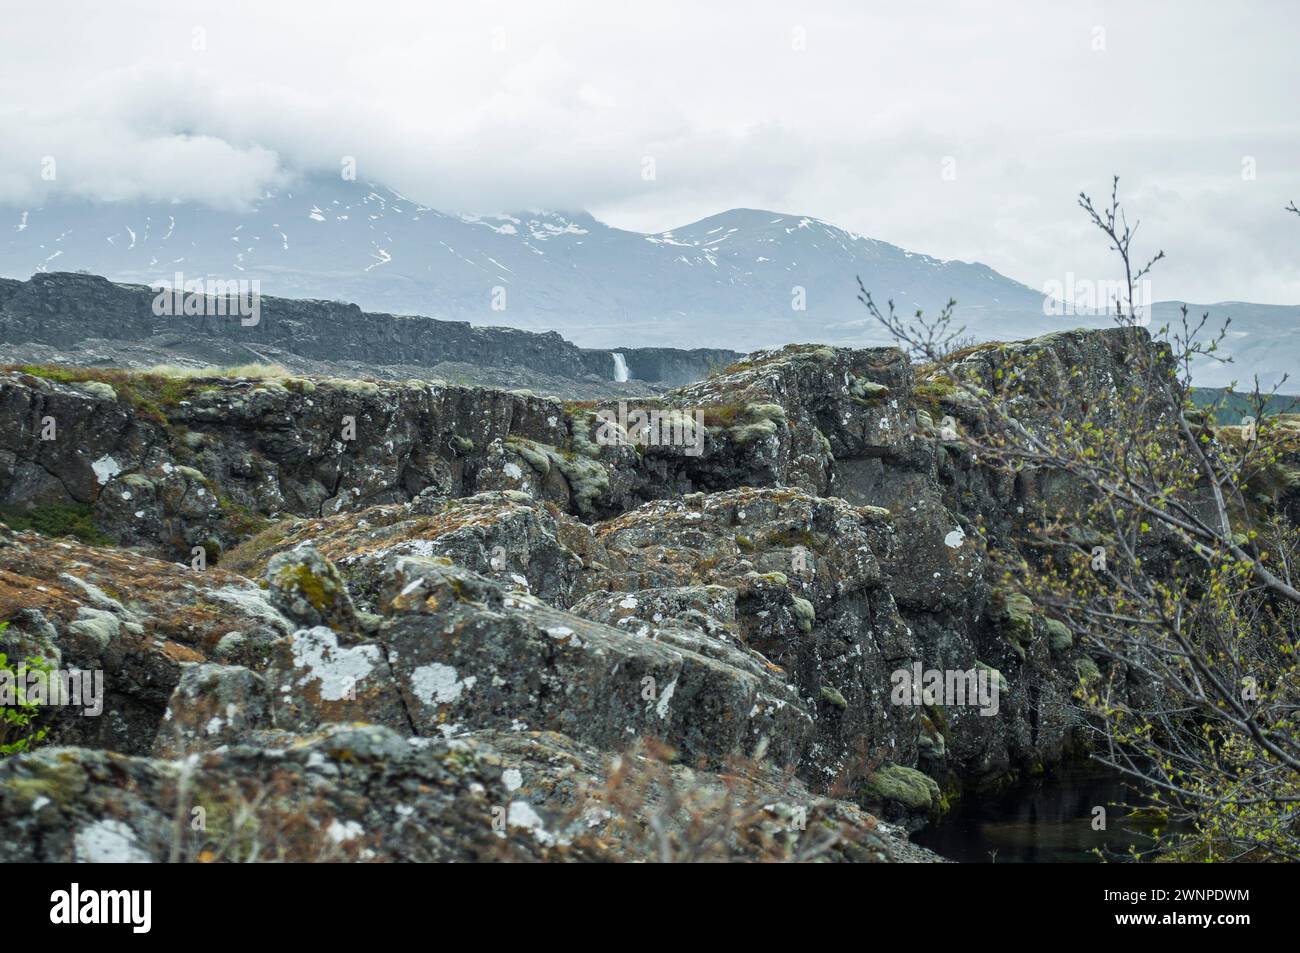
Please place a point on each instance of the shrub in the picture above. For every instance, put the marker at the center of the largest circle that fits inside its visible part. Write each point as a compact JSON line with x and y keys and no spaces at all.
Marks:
{"x":18,"y":731}
{"x":58,"y":519}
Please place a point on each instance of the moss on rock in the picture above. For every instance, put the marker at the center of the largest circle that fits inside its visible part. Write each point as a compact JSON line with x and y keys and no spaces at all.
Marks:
{"x":307,"y":587}
{"x":1059,"y":636}
{"x":908,"y":787}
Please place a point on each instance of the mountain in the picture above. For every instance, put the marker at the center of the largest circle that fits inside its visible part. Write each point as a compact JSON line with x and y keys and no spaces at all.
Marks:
{"x":742,"y":279}
{"x":725,"y":281}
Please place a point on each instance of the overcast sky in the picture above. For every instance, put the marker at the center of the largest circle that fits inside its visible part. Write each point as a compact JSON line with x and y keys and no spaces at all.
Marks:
{"x":850,"y":112}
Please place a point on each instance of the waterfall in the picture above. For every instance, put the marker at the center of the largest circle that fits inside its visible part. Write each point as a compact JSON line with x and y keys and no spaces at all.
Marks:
{"x":620,"y":368}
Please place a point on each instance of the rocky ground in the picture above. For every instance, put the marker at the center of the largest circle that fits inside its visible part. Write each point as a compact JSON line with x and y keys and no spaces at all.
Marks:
{"x":348,"y":619}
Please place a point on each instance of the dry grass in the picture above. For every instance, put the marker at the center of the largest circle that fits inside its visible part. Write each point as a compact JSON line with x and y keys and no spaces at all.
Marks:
{"x":259,"y":371}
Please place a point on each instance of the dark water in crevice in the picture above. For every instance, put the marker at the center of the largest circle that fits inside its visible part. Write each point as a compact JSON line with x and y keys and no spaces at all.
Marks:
{"x":1047,"y":819}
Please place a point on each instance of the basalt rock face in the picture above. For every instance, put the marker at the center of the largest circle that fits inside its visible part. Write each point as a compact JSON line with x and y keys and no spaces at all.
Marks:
{"x":548,"y":628}
{"x":64,"y":309}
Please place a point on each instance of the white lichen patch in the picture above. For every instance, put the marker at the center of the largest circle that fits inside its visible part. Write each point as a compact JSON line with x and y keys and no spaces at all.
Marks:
{"x":341,"y":832}
{"x":108,"y":842}
{"x":250,"y":602}
{"x":438,"y":684}
{"x":521,"y":814}
{"x":558,"y":631}
{"x":336,"y":668}
{"x":105,"y":469}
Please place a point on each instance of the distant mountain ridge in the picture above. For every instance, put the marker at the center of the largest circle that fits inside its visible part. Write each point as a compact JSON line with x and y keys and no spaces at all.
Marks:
{"x":738,"y":280}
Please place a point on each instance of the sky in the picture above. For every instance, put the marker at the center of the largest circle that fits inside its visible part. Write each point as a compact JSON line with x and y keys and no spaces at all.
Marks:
{"x":959,"y":129}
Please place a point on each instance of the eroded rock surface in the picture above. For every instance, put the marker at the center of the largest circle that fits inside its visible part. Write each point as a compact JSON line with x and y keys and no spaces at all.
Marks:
{"x":416,"y":621}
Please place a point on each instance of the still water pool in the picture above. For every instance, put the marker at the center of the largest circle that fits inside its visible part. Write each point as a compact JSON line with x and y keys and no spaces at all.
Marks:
{"x":1043,"y":820}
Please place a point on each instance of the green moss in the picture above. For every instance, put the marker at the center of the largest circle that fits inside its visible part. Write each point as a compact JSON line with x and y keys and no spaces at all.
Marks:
{"x":755,"y":422}
{"x":1086,"y":669}
{"x":745,"y":434}
{"x":863,"y":391}
{"x":580,"y":438}
{"x":1059,"y":636}
{"x":934,"y":389}
{"x":532,"y":454}
{"x":587,"y":478}
{"x":772,"y":412}
{"x":909,"y":787}
{"x":936,"y":717}
{"x":804,"y":613}
{"x":149,"y":394}
{"x":61,"y":781}
{"x":362,"y":388}
{"x":317,"y":591}
{"x":832,"y":695}
{"x":58,"y":519}
{"x":791,"y":537}
{"x":247,"y":556}
{"x":932,"y":393}
{"x":1014,"y":614}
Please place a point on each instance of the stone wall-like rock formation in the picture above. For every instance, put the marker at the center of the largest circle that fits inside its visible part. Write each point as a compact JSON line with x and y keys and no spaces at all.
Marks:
{"x":489,"y":575}
{"x":64,"y":309}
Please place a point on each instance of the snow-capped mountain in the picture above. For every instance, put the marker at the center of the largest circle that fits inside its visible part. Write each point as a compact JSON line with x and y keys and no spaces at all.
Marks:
{"x":741,"y":279}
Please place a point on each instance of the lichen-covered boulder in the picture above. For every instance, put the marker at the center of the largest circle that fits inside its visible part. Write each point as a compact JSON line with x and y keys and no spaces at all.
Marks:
{"x":308,"y":589}
{"x":469,"y":654}
{"x":366,"y":793}
{"x":213,"y":705}
{"x":502,"y":534}
{"x":135,"y":620}
{"x":710,"y":609}
{"x":318,"y":676}
{"x":903,"y":793}
{"x":809,"y":596}
{"x":548,"y":612}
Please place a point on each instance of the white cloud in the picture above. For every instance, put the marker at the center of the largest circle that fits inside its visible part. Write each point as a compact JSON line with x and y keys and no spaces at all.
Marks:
{"x":512,"y":105}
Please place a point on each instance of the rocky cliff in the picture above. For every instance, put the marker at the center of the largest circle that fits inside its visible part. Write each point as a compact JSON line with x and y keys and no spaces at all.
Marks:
{"x":63,"y":310}
{"x":557,"y":637}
